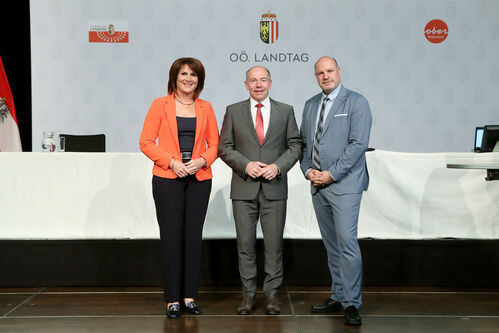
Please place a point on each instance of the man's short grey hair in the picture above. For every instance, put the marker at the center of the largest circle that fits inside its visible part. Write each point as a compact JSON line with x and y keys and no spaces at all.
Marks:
{"x":268,"y":72}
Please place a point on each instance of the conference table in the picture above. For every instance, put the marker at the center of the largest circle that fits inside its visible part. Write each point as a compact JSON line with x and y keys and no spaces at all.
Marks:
{"x":64,"y":195}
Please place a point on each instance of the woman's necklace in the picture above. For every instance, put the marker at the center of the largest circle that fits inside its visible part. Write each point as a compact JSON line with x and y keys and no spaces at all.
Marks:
{"x":183,"y":103}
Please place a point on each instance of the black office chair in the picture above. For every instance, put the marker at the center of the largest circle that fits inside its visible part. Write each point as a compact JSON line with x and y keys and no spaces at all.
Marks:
{"x":85,"y":143}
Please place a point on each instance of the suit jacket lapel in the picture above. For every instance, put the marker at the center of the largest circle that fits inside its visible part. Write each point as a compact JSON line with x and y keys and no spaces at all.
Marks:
{"x":199,"y":119}
{"x":171,"y":118}
{"x":273,"y":120}
{"x":315,"y":113}
{"x":337,"y":105}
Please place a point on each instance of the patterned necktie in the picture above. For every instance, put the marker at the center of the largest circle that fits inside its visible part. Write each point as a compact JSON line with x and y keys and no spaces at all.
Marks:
{"x":259,"y":122}
{"x":316,"y":161}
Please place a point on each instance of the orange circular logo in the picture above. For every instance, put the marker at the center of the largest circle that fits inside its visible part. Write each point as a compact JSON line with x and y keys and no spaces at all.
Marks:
{"x":436,"y":31}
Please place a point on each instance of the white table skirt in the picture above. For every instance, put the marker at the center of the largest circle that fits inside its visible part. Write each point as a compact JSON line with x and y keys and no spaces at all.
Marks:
{"x":108,"y":196}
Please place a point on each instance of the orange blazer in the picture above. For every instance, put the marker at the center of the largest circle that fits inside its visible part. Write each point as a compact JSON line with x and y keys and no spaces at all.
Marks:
{"x":161,"y":122}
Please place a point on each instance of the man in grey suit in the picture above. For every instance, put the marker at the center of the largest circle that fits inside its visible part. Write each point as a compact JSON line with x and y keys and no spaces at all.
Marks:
{"x":335,"y":130}
{"x":260,"y":141}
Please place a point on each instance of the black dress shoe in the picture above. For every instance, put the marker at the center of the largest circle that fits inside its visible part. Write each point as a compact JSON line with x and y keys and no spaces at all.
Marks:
{"x":173,"y":311}
{"x":352,"y":316}
{"x":193,"y":308}
{"x":328,"y":306}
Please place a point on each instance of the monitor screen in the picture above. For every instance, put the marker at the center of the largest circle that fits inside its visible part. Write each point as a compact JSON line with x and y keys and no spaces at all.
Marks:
{"x":490,"y":138}
{"x":478,"y":138}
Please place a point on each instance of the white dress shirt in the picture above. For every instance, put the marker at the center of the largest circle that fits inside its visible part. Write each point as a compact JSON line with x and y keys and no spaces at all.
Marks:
{"x":265,"y":109}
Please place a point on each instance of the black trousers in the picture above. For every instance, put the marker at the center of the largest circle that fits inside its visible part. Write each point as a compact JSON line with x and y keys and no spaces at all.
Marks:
{"x":181,"y":206}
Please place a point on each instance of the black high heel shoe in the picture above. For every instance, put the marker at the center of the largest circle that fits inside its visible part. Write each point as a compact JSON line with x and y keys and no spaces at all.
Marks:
{"x":193,"y":308}
{"x":173,"y":311}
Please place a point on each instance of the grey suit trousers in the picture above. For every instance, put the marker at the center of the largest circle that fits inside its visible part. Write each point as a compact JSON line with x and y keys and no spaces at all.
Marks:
{"x":338,"y":216}
{"x":272,"y":215}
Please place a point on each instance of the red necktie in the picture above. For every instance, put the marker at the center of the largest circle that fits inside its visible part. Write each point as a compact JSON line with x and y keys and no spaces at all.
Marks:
{"x":259,"y":122}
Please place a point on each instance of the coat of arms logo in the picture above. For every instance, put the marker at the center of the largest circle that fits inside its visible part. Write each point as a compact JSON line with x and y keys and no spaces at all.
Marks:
{"x":269,"y":28}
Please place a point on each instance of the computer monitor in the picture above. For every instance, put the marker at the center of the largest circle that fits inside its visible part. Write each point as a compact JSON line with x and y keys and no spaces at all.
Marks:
{"x":478,"y":138}
{"x":490,"y":139}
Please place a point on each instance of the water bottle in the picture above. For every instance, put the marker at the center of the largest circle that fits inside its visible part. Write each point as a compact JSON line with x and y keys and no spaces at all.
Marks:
{"x":48,"y":144}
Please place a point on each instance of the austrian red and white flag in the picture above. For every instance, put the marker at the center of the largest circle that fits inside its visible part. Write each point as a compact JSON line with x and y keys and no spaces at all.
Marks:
{"x":9,"y":131}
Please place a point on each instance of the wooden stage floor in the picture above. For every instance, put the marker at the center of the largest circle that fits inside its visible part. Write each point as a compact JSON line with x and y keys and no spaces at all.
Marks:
{"x":141,"y":309}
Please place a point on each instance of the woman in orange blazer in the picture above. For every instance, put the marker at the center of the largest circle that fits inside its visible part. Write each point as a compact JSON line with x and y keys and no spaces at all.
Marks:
{"x":187,"y":134}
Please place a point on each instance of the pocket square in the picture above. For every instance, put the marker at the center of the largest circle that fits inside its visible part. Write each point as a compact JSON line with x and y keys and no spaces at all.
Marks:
{"x":341,"y":115}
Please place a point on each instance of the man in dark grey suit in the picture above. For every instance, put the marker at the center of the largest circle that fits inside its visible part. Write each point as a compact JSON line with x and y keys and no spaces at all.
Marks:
{"x":335,"y":129}
{"x":260,"y":141}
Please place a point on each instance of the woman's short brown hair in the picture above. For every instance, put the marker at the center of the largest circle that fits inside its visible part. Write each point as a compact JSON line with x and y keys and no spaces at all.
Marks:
{"x":195,"y":65}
